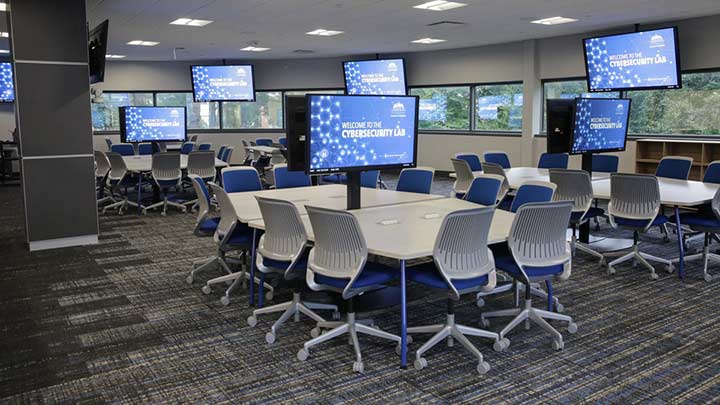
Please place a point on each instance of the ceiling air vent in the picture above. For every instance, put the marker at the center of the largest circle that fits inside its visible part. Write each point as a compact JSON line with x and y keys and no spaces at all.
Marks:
{"x":303,"y":51}
{"x":438,"y":23}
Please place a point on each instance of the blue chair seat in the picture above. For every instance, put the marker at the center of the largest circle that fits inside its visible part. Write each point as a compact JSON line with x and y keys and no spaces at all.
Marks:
{"x":167,"y":183}
{"x":428,"y":275}
{"x":334,"y":178}
{"x":242,"y":235}
{"x":508,"y":265}
{"x":209,"y":225}
{"x":641,"y":223}
{"x":699,"y":220}
{"x":282,"y":264}
{"x":592,"y":213}
{"x":372,"y":274}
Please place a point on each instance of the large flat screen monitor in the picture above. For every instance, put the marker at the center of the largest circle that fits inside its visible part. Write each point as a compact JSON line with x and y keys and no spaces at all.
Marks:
{"x":152,"y":124}
{"x":357,"y":133}
{"x":600,"y":125}
{"x":376,"y":77}
{"x":223,"y":83}
{"x":97,"y":48}
{"x":7,"y":85}
{"x":640,"y":60}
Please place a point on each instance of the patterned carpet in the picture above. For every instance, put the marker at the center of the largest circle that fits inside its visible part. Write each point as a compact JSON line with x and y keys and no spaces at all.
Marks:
{"x":117,"y":323}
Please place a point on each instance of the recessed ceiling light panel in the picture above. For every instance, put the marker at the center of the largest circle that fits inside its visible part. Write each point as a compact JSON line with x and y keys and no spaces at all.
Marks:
{"x":554,"y":21}
{"x":439,"y":5}
{"x":428,"y":41}
{"x":138,"y":42}
{"x":324,"y":33}
{"x":251,"y":48}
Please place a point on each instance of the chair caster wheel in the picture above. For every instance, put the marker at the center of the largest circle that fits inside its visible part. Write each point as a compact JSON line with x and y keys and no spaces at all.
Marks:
{"x":484,"y":322}
{"x":480,"y":302}
{"x":572,"y":328}
{"x":189,"y":279}
{"x":670,"y":268}
{"x":409,"y":339}
{"x":163,"y":214}
{"x":603,"y":263}
{"x":336,"y":316}
{"x":708,"y":278}
{"x":206,"y":290}
{"x":653,"y":276}
{"x":315,"y":332}
{"x":483,"y":367}
{"x":270,"y":338}
{"x":398,"y":349}
{"x":302,"y":354}
{"x":610,"y":271}
{"x":420,"y":363}
{"x":252,"y":321}
{"x":358,"y":367}
{"x":269,"y":295}
{"x":559,"y":308}
{"x":499,"y":346}
{"x":225,"y":300}
{"x":527,"y":324}
{"x":558,"y":344}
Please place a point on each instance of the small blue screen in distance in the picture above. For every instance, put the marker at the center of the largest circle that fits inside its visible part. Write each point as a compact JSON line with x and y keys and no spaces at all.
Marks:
{"x":223,"y":83}
{"x":375,"y":77}
{"x":646,"y":59}
{"x":7,"y":86}
{"x":433,"y":109}
{"x":357,"y":131}
{"x":147,"y":124}
{"x":600,"y":125}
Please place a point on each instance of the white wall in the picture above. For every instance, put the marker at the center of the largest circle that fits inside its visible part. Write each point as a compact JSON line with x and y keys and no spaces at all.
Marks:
{"x":7,"y":121}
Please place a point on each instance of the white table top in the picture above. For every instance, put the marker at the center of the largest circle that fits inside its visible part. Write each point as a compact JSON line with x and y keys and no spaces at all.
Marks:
{"x":327,"y":196}
{"x":413,"y":236}
{"x":672,"y":192}
{"x":143,"y":163}
{"x":518,"y":175}
{"x":268,"y":150}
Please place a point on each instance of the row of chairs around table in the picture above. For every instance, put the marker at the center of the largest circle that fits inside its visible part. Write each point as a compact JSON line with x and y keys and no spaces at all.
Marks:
{"x":338,"y":262}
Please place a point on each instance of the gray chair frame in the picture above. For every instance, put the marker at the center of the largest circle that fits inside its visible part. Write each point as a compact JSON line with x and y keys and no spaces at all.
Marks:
{"x":464,"y":176}
{"x":708,"y":233}
{"x":118,"y":172}
{"x":166,"y":167}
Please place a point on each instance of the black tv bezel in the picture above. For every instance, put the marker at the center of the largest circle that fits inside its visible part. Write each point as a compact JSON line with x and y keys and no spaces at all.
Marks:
{"x":678,"y":70}
{"x":192,"y":83}
{"x":102,"y":28}
{"x":405,"y":84}
{"x":627,"y":129}
{"x":347,"y":169}
{"x":12,"y":69}
{"x":123,"y":130}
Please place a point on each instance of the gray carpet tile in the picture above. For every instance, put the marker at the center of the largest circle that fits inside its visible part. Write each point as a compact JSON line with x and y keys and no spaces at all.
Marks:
{"x":116,"y":322}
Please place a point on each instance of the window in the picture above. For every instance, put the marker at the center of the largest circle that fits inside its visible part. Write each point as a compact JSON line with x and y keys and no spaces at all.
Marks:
{"x":444,"y":108}
{"x":106,"y":113}
{"x":498,"y":107}
{"x":692,"y":110}
{"x":204,"y":115}
{"x":265,"y":113}
{"x":569,"y":89}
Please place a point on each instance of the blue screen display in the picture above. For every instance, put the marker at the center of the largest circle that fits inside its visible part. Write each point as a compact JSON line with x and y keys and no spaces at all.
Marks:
{"x":361,"y":131}
{"x":7,"y":87}
{"x":223,"y":83}
{"x":638,"y":60}
{"x":600,"y":125}
{"x":433,"y":109}
{"x":146,"y":124}
{"x":376,"y":77}
{"x":487,"y":107}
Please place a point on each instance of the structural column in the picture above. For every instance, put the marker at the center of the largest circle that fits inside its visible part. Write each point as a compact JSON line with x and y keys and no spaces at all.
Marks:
{"x":52,"y":108}
{"x":532,"y":102}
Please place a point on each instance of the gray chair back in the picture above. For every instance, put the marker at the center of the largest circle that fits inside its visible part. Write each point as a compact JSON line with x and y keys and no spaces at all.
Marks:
{"x":285,"y":238}
{"x":102,"y":164}
{"x":202,"y":163}
{"x":118,"y":168}
{"x":634,"y":196}
{"x":496,"y":169}
{"x":538,"y":234}
{"x":202,"y":197}
{"x":166,"y":166}
{"x":573,"y":185}
{"x":464,"y":175}
{"x":228,"y":218}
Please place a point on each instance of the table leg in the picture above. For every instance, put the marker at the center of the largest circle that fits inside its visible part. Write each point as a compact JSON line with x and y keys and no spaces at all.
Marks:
{"x":252,"y":269}
{"x":139,"y":193}
{"x":403,"y":317}
{"x":681,"y":261}
{"x":261,"y":289}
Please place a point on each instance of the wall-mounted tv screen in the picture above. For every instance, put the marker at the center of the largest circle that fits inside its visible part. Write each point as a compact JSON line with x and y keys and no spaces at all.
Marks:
{"x":152,"y":124}
{"x":7,"y":85}
{"x":356,"y":133}
{"x":223,"y":83}
{"x":97,"y":48}
{"x":376,"y":77}
{"x":641,"y":60}
{"x":600,"y":125}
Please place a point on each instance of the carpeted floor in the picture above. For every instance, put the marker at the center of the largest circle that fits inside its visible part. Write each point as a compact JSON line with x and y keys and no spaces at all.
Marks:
{"x":116,"y":322}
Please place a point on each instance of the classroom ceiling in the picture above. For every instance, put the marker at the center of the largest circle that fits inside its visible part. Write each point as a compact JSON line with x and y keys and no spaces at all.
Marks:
{"x":370,"y":26}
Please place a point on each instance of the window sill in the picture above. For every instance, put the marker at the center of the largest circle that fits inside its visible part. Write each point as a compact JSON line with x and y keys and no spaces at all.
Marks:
{"x":510,"y":134}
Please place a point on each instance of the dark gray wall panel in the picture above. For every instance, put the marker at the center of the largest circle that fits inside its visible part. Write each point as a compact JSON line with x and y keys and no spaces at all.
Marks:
{"x":53,"y":106}
{"x":49,"y":30}
{"x":60,"y":198}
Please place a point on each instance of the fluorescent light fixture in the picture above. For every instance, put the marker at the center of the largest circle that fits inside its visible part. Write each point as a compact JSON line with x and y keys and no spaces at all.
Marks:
{"x":143,"y":43}
{"x":4,"y":51}
{"x":111,"y":56}
{"x":3,"y":6}
{"x":251,"y":48}
{"x":191,"y":22}
{"x":324,"y":33}
{"x":554,"y":21}
{"x":428,"y":41}
{"x":4,"y":34}
{"x":439,"y":5}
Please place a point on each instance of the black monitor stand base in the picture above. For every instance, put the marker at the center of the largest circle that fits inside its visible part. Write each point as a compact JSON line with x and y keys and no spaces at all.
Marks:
{"x":585,"y":228}
{"x":353,"y":190}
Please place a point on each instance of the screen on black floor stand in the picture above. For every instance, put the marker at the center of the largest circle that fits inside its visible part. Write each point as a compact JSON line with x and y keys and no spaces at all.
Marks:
{"x":152,"y":124}
{"x":360,"y":133}
{"x":600,"y":125}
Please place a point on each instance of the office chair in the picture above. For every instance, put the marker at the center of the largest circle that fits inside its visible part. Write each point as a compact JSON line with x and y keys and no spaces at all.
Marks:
{"x":504,"y":197}
{"x":239,"y":179}
{"x":416,"y":180}
{"x":462,"y":264}
{"x":166,"y":173}
{"x":102,"y":169}
{"x":369,"y":178}
{"x":221,"y":151}
{"x":576,"y":186}
{"x":283,"y":249}
{"x":120,"y":178}
{"x":231,"y":236}
{"x":707,"y":222}
{"x":205,"y":146}
{"x":553,"y":161}
{"x":635,"y":204}
{"x":283,"y":142}
{"x":124,"y":149}
{"x":187,"y":147}
{"x":464,"y":177}
{"x":712,"y":173}
{"x":603,"y":164}
{"x":201,"y":164}
{"x":484,"y":190}
{"x":287,"y":179}
{"x":338,"y":262}
{"x":193,"y":138}
{"x":472,"y":159}
{"x":109,"y":143}
{"x":248,"y":159}
{"x":205,"y":225}
{"x":498,"y":158}
{"x":674,"y":167}
{"x":145,"y":148}
{"x":227,"y":154}
{"x":263,"y":142}
{"x":538,"y":251}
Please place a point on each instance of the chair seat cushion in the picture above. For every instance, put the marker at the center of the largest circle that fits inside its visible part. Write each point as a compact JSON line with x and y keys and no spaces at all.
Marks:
{"x":592,"y":213}
{"x":508,"y":265}
{"x":427,"y":274}
{"x":334,"y":178}
{"x":209,"y":225}
{"x":282,"y":264}
{"x":506,"y":203}
{"x":698,"y":219}
{"x":640,"y":223}
{"x":372,"y":274}
{"x":242,"y":235}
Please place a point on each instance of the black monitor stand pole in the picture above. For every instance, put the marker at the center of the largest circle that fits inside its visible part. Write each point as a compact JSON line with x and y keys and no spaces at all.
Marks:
{"x":353,"y":190}
{"x":585,"y":228}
